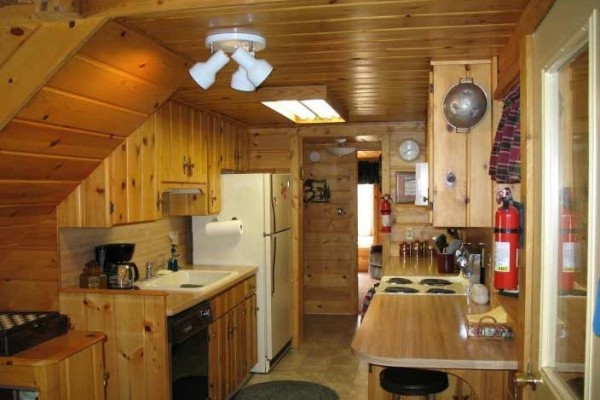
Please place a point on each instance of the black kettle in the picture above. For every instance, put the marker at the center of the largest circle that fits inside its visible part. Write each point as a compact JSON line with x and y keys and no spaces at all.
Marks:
{"x":122,"y":275}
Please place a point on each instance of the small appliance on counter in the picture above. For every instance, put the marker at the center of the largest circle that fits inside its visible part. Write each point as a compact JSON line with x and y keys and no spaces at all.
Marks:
{"x":93,"y":277}
{"x":22,"y":330}
{"x":115,"y":261}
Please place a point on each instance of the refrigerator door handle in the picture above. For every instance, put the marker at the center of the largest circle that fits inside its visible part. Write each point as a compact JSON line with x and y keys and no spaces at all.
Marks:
{"x":274,"y":258}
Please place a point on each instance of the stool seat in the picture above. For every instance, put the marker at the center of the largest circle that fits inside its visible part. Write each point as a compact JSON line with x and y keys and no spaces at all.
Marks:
{"x":412,"y":381}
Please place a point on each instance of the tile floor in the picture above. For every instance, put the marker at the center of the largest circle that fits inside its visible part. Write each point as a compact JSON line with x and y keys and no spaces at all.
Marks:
{"x":324,"y":357}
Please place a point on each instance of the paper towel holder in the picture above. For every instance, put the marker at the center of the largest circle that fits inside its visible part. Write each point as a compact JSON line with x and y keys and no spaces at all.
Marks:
{"x":217,"y":219}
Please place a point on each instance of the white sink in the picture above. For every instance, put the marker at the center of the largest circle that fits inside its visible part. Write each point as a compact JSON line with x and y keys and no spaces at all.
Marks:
{"x":187,"y":280}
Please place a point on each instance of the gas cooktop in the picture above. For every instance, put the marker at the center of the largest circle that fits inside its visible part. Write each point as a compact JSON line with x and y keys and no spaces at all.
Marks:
{"x":438,"y":285}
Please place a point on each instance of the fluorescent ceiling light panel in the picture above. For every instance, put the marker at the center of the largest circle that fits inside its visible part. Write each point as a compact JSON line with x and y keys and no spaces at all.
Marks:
{"x":321,"y":108}
{"x":305,"y":111}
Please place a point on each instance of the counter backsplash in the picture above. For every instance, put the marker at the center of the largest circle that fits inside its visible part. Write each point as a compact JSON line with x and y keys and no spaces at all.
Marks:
{"x":151,"y":244}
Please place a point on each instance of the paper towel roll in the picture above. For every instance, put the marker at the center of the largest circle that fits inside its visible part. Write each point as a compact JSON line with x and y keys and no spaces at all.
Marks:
{"x":224,"y":228}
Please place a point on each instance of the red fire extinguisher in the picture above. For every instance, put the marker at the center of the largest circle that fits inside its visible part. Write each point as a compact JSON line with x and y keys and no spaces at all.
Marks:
{"x":506,"y":243}
{"x":386,"y":214}
{"x":568,"y":240}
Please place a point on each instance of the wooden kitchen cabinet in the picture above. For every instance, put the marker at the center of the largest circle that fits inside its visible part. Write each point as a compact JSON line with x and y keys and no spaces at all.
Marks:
{"x":215,"y":145}
{"x":68,"y":367}
{"x":463,"y":157}
{"x":122,"y":190}
{"x":232,"y":346}
{"x":183,"y":146}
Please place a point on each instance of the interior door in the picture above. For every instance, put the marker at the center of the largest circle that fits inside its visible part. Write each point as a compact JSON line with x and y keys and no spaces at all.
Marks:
{"x":563,"y":196}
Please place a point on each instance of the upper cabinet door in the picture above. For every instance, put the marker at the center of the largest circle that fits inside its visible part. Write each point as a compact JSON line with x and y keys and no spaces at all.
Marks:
{"x":461,"y":186}
{"x":564,"y":351}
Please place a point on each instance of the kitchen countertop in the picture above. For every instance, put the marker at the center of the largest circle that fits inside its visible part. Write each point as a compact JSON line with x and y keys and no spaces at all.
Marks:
{"x":177,"y":301}
{"x":428,"y":331}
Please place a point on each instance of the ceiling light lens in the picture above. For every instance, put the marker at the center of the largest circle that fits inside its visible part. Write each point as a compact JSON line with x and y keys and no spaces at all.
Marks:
{"x":321,"y":108}
{"x":298,"y":109}
{"x":204,"y":73}
{"x":239,"y":81}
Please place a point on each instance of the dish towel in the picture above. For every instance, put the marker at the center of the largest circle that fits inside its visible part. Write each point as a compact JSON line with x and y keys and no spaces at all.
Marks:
{"x":505,"y":160}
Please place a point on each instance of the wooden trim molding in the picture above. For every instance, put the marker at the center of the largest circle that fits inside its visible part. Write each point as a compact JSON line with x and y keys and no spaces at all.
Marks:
{"x":508,"y":61}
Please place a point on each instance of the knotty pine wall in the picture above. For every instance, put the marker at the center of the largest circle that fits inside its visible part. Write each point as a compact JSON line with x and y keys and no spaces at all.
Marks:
{"x":58,"y":120}
{"x":271,"y":150}
{"x":29,"y":274}
{"x":150,"y":238}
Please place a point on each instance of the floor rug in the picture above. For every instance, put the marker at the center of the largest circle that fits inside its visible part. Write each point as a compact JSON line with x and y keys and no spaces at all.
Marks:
{"x":286,"y":390}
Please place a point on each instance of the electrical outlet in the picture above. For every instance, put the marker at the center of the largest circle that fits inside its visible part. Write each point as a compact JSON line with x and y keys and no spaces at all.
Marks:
{"x":410,"y":233}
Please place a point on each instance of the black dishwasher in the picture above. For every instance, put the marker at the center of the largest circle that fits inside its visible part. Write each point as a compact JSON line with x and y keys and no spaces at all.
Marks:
{"x":188,"y":348}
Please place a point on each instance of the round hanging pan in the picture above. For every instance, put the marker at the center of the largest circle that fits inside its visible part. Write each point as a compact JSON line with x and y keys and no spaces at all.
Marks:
{"x":464,"y":105}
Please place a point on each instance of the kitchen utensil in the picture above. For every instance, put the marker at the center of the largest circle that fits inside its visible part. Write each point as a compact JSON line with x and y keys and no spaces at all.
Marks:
{"x":122,"y":275}
{"x":440,"y":242}
{"x":453,"y":246}
{"x":464,"y":105}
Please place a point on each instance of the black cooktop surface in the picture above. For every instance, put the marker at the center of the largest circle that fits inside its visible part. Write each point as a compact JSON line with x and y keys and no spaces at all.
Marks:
{"x":435,"y":282}
{"x":399,"y":281}
{"x":440,"y":291}
{"x":400,"y":289}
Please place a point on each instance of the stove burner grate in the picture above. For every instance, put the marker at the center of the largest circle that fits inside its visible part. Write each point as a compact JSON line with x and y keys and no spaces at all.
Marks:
{"x":399,"y":281}
{"x":435,"y":282}
{"x":400,"y":289}
{"x":440,"y":291}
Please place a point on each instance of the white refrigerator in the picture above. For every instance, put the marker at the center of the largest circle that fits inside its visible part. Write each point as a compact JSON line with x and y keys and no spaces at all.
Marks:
{"x":263,"y":203}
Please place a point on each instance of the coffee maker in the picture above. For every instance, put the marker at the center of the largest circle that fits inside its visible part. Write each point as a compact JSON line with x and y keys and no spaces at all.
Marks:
{"x":115,"y":261}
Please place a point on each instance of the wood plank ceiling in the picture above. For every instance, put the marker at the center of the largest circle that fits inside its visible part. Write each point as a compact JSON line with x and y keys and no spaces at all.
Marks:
{"x":373,"y":56}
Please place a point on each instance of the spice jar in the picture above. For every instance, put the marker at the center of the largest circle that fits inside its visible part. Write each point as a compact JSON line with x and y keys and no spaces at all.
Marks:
{"x":92,"y":277}
{"x":416,"y":249}
{"x":404,"y":250}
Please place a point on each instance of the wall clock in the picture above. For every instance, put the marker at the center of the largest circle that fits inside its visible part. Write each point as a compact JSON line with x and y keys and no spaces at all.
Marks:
{"x":409,"y":150}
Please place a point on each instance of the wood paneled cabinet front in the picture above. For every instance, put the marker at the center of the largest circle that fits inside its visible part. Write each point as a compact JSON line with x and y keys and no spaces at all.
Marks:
{"x":232,"y":339}
{"x":460,"y":186}
{"x":183,"y":145}
{"x":68,"y":367}
{"x":122,"y":190}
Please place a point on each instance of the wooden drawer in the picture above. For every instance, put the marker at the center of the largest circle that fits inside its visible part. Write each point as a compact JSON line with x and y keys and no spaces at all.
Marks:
{"x":226,"y":301}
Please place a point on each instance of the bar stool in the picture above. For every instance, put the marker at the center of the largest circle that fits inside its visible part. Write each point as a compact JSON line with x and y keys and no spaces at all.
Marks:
{"x":413,"y":382}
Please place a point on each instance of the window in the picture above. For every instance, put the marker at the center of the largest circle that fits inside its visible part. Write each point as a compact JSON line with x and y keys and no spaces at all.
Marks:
{"x":365,"y":215}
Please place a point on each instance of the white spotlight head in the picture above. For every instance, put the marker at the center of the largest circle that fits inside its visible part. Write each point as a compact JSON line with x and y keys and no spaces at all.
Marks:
{"x":239,"y":81}
{"x":258,"y":70}
{"x":204,"y":73}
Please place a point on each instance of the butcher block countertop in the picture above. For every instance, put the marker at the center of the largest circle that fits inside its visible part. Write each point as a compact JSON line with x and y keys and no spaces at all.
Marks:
{"x":426,"y":331}
{"x":177,"y":301}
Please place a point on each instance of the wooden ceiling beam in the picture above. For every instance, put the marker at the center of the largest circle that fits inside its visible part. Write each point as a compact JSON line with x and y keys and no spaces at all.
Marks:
{"x":509,"y":58}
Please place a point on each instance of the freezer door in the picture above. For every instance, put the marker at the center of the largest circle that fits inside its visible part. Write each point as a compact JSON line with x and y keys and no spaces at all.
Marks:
{"x":279,"y":293}
{"x":280,"y":202}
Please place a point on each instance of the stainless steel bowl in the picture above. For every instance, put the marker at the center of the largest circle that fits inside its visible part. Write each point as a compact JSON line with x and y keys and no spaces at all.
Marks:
{"x":464,"y":105}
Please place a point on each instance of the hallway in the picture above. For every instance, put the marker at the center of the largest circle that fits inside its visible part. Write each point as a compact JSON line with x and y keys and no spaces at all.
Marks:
{"x":324,"y":357}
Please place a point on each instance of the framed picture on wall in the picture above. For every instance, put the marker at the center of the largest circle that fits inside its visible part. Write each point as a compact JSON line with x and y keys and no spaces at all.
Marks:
{"x":406,"y":187}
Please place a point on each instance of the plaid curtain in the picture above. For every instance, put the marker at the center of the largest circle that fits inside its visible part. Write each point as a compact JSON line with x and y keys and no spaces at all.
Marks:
{"x":505,"y":161}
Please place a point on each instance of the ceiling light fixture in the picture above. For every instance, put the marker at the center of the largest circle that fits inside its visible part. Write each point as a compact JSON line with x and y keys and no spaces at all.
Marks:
{"x":242,"y":45}
{"x":341,"y":149}
{"x":315,"y":111}
{"x":303,"y":104}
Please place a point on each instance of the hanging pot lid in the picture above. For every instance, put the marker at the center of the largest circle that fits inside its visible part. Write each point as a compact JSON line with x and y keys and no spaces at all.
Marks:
{"x":464,"y":105}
